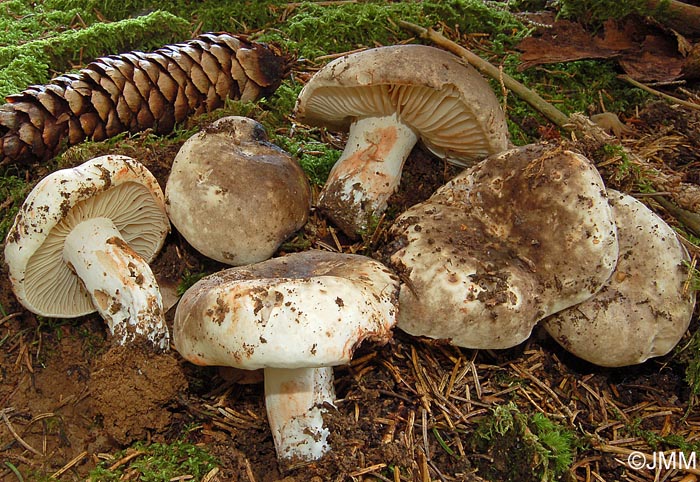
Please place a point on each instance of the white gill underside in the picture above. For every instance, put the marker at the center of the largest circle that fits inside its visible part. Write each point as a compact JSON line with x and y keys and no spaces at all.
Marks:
{"x":51,"y":287}
{"x":447,"y":125}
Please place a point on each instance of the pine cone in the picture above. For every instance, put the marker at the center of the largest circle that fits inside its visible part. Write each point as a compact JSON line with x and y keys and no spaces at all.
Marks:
{"x":135,"y":91}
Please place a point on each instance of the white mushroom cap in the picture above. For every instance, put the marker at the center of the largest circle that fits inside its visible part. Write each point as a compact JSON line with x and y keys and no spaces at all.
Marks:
{"x":115,"y":187}
{"x":295,"y":316}
{"x":234,"y":196}
{"x":521,"y":235}
{"x":81,"y":242}
{"x":643,"y":310}
{"x":308,"y":309}
{"x":388,"y":98}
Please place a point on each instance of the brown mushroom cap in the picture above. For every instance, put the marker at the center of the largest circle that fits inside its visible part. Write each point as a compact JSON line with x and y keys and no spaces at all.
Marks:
{"x":643,"y":310}
{"x":233,"y":195}
{"x":519,"y":236}
{"x":449,"y":105}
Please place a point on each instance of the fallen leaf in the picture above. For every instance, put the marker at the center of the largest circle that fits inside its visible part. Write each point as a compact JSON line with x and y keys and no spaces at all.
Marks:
{"x":645,"y":52}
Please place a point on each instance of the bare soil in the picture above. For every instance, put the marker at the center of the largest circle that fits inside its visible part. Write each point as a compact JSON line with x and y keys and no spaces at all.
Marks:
{"x":406,"y":411}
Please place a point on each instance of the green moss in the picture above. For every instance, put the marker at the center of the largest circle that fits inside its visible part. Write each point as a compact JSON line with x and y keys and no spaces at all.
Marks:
{"x":314,"y":30}
{"x":595,"y":12}
{"x":32,"y":62}
{"x":13,"y":190}
{"x":235,"y":17}
{"x":159,"y":462}
{"x":660,"y":443}
{"x":689,"y":353}
{"x":571,"y":87}
{"x":523,"y":447}
{"x":188,"y":279}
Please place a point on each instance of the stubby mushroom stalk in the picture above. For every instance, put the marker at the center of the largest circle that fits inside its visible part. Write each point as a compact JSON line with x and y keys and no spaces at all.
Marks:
{"x":121,"y":284}
{"x":295,"y":399}
{"x":368,"y":171}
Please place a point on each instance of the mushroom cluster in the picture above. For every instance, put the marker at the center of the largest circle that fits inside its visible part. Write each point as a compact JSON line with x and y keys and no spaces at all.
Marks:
{"x":522,"y":236}
{"x":519,"y":236}
{"x":531,"y":235}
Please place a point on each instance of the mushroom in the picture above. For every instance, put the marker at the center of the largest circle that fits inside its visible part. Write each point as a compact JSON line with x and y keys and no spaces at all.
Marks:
{"x":519,"y":236}
{"x":234,"y":196}
{"x":82,"y":241}
{"x":645,"y":307}
{"x":388,"y":98}
{"x":295,"y":316}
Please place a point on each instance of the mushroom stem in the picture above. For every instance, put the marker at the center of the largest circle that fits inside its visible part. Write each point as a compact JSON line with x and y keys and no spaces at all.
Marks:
{"x":367,"y":173}
{"x":295,"y":398}
{"x":120,"y":282}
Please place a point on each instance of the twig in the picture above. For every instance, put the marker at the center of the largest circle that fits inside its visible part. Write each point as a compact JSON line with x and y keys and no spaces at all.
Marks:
{"x":211,"y":474}
{"x":690,"y":219}
{"x":126,"y":459}
{"x":367,"y":470}
{"x":70,"y":464}
{"x":9,"y":317}
{"x":529,"y":96}
{"x":424,"y":423}
{"x":15,"y":434}
{"x":680,"y":16}
{"x":249,"y":470}
{"x":670,"y":98}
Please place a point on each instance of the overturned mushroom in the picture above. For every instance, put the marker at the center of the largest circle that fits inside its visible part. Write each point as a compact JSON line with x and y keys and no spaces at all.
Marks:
{"x":521,"y":235}
{"x":233,"y":195}
{"x":388,"y":98}
{"x":295,"y":316}
{"x":81,"y":242}
{"x":643,"y":310}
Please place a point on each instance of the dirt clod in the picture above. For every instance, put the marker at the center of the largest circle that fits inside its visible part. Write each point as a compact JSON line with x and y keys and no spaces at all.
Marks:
{"x":132,"y":390}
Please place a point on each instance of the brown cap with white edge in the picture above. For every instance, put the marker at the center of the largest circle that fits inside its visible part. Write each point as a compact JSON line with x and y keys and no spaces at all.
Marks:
{"x":81,"y":242}
{"x":388,"y":98}
{"x":517,"y":237}
{"x":295,"y":316}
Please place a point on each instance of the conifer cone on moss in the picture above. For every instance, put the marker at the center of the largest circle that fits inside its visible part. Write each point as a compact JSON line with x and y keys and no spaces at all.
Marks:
{"x":135,"y":91}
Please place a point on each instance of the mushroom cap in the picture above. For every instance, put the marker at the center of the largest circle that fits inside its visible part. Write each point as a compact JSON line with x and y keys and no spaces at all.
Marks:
{"x":519,"y":236}
{"x":302,"y":310}
{"x":114,"y":187}
{"x":643,"y":309}
{"x":449,"y":105}
{"x":234,"y":196}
